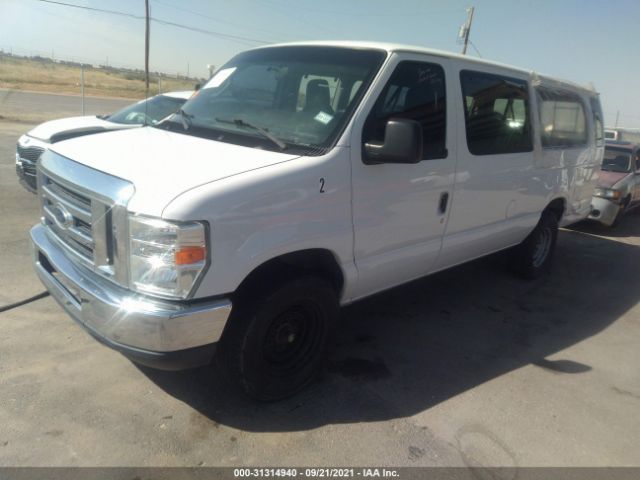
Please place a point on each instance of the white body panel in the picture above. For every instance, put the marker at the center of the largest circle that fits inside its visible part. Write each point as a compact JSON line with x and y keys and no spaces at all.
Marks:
{"x":381,"y":222}
{"x":162,"y":165}
{"x":493,"y":197}
{"x":398,"y":228}
{"x":259,"y":215}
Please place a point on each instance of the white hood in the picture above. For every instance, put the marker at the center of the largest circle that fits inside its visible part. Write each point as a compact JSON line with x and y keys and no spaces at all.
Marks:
{"x":46,"y":130}
{"x":163,"y":164}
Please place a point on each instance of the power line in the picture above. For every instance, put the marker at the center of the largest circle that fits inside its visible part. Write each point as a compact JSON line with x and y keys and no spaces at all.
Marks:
{"x":228,"y":36}
{"x":101,"y":10}
{"x":213,"y":19}
{"x":289,"y":14}
{"x":475,"y":48}
{"x":237,"y":38}
{"x":370,"y":14}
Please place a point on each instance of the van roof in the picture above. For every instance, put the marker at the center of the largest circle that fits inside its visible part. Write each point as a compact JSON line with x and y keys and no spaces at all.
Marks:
{"x":398,"y":47}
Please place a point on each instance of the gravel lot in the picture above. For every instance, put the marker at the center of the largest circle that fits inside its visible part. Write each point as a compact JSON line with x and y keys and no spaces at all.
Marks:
{"x":467,"y":367}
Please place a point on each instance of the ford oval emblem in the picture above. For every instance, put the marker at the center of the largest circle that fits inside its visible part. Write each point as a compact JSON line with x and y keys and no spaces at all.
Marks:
{"x":62,"y":217}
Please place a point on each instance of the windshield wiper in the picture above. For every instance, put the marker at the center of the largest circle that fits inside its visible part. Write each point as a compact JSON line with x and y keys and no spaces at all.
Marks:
{"x":242,"y":123}
{"x":186,"y":119}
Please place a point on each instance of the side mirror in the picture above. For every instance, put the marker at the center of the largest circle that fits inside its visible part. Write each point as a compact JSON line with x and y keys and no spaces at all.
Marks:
{"x":402,"y":143}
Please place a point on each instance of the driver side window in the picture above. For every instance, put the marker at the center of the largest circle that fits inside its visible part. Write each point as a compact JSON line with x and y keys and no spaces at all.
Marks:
{"x":416,"y":91}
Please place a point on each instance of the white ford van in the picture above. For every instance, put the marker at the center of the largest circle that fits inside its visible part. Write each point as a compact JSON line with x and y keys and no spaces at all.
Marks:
{"x":303,"y":177}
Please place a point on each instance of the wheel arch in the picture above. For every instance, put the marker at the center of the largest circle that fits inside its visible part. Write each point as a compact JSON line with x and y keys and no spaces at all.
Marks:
{"x":557,"y":206}
{"x":313,"y":261}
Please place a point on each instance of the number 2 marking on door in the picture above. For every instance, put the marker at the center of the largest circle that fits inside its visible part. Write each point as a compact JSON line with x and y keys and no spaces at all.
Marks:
{"x":322,"y":185}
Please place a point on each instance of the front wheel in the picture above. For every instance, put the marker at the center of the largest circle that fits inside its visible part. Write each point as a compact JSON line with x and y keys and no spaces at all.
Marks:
{"x":534,"y":255}
{"x":276,"y":340}
{"x":621,"y":212}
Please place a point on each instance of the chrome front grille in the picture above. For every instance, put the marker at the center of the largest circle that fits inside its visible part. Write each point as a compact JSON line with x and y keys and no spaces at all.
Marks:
{"x":28,"y":168}
{"x":69,"y":215}
{"x":29,"y":157}
{"x":29,"y":153}
{"x":85,"y":210}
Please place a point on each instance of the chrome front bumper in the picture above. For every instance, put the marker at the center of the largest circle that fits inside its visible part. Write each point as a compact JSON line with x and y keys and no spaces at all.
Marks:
{"x":604,"y":211}
{"x":131,"y":323}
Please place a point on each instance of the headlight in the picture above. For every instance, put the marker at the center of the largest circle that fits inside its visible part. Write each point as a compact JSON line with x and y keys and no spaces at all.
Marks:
{"x":608,"y":193}
{"x":166,"y":258}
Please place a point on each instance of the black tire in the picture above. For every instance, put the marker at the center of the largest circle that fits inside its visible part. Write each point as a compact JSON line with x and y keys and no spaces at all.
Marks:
{"x":534,"y":255}
{"x":275,"y":341}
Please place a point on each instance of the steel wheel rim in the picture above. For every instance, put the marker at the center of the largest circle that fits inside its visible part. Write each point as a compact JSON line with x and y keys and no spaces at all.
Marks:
{"x":293,"y":339}
{"x":542,"y":247}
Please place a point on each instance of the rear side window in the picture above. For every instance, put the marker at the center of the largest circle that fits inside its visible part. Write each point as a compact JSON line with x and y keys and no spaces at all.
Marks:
{"x":562,"y":117}
{"x":416,"y":90}
{"x":496,"y":111}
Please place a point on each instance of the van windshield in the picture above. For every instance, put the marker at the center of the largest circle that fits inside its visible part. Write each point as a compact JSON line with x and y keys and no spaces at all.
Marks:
{"x":297,"y":99}
{"x":149,"y":111}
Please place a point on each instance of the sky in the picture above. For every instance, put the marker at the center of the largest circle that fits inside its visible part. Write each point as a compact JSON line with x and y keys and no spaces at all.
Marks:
{"x":586,"y":41}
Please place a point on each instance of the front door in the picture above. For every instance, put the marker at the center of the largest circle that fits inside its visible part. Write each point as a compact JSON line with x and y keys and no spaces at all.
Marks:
{"x":400,"y":210}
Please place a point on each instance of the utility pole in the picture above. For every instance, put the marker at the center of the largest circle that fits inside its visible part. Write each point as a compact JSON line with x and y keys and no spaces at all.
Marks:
{"x":146,"y":48}
{"x":466,"y":29}
{"x":617,"y":118}
{"x":82,"y":85}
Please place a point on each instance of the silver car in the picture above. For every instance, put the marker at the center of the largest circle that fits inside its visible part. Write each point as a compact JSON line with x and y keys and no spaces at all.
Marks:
{"x":618,"y":188}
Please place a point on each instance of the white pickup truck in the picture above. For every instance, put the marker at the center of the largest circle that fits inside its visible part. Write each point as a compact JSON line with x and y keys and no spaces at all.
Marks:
{"x":303,"y":177}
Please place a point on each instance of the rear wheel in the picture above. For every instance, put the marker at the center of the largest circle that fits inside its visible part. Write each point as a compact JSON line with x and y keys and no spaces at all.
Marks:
{"x":276,"y":339}
{"x":534,"y":255}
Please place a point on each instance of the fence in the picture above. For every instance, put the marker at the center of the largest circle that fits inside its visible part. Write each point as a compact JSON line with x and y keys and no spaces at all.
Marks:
{"x":35,"y":71}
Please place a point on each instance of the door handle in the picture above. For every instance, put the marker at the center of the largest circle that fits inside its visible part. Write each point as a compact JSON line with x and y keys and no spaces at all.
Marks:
{"x":444,"y":200}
